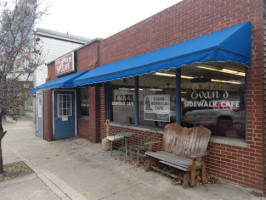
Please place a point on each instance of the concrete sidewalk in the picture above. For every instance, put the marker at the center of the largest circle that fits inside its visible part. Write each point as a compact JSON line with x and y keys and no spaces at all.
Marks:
{"x":78,"y":169}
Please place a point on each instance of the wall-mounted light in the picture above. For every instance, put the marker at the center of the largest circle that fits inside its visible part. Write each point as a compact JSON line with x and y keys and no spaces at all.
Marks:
{"x":228,"y":71}
{"x":224,"y":81}
{"x":156,"y":89}
{"x":164,"y":74}
{"x":129,"y":89}
{"x":172,"y":75}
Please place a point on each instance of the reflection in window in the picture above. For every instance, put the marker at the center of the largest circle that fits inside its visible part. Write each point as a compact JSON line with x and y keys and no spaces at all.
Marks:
{"x":214,"y":98}
{"x":84,"y":102}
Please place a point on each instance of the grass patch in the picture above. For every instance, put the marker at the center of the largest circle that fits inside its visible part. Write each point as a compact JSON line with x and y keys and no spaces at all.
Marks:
{"x":13,"y":170}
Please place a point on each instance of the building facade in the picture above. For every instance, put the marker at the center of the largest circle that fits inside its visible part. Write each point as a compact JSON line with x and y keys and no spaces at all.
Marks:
{"x":54,"y":44}
{"x":197,"y":62}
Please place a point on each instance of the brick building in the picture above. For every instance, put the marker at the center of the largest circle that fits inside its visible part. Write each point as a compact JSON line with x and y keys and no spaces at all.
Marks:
{"x":202,"y":62}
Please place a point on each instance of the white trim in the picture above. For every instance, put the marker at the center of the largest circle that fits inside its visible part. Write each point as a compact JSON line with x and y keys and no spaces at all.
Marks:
{"x":53,"y":113}
{"x":75,"y":104}
{"x":58,"y":103}
{"x":229,"y":141}
{"x":37,"y":116}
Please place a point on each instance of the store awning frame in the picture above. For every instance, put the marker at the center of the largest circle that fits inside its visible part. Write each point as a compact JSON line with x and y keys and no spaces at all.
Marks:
{"x":232,"y":44}
{"x":62,"y":82}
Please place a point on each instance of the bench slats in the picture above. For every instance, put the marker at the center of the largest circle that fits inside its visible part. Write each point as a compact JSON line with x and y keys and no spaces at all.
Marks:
{"x":173,"y":165}
{"x":184,"y":141}
{"x":170,"y":158}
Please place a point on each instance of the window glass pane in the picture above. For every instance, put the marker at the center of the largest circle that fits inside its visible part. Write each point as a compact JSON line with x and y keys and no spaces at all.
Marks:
{"x":60,"y":104}
{"x":157,"y":99}
{"x":64,"y":97}
{"x":84,"y":102}
{"x":123,"y":97}
{"x":68,"y":104}
{"x":59,"y":97}
{"x":214,"y":98}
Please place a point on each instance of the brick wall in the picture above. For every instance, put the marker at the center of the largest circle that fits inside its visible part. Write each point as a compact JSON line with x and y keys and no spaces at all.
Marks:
{"x":264,"y":6}
{"x":47,"y":115}
{"x":102,"y":111}
{"x":93,"y":114}
{"x":186,"y":20}
{"x":87,"y":56}
{"x":51,"y":72}
{"x":83,"y":130}
{"x":194,"y":18}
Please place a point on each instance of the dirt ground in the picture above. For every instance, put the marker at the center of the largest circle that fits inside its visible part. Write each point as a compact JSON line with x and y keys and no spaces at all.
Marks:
{"x":14,"y":170}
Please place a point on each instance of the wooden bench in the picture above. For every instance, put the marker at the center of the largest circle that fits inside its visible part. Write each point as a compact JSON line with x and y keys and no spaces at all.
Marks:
{"x":182,"y":148}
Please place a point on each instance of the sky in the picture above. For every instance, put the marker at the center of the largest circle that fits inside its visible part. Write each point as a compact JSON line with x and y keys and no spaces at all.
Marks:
{"x":98,"y":18}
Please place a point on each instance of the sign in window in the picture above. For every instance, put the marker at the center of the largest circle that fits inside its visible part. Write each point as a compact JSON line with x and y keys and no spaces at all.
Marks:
{"x":157,"y":107}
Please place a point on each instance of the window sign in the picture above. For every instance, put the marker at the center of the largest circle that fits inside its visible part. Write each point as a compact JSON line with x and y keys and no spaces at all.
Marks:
{"x":211,"y":99}
{"x":157,"y":107}
{"x":123,"y":97}
{"x":65,"y":64}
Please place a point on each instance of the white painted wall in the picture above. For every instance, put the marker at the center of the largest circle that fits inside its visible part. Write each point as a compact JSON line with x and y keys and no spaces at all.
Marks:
{"x":52,"y":49}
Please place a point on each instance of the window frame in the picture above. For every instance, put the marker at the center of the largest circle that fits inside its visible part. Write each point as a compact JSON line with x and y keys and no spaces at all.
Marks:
{"x":80,"y":115}
{"x":58,"y":105}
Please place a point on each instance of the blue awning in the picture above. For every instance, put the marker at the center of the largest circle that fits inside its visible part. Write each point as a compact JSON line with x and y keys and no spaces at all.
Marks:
{"x":231,"y":44}
{"x":63,"y":82}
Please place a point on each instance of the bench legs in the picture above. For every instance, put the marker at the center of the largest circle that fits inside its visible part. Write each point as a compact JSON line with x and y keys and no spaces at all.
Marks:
{"x":185,"y":181}
{"x":190,"y":177}
{"x":149,"y":162}
{"x":203,"y":170}
{"x":193,"y":173}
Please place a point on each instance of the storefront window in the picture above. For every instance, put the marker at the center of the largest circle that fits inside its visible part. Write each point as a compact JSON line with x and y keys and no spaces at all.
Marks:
{"x":213,"y":96}
{"x":84,"y":102}
{"x":122,"y":101}
{"x":157,"y":99}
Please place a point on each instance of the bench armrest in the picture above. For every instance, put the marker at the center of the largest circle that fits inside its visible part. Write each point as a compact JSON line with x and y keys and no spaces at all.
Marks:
{"x":194,"y":156}
{"x":157,"y":143}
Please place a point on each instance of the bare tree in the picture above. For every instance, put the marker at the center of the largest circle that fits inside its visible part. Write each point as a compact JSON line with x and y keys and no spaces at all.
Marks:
{"x":20,"y":55}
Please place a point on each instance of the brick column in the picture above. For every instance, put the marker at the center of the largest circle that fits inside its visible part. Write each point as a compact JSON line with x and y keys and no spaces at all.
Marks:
{"x":93,"y":110}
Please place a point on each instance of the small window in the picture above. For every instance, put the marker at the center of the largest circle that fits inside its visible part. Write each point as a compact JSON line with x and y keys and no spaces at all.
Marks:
{"x":84,"y":102}
{"x":64,"y":105}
